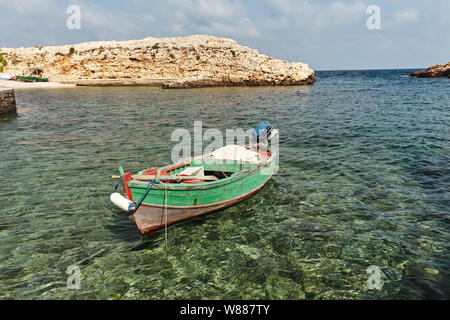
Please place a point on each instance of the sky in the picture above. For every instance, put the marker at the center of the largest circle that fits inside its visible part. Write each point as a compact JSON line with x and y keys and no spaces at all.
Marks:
{"x":328,"y":35}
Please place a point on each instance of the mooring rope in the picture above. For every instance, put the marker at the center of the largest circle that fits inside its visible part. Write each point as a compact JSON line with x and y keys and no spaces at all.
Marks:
{"x":165,"y":214}
{"x":133,"y":207}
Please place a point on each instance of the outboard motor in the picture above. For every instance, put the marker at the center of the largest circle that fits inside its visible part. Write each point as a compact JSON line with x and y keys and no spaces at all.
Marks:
{"x":263,"y":133}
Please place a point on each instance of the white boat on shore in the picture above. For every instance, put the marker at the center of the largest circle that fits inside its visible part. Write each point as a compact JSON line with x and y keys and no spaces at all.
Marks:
{"x":5,"y":76}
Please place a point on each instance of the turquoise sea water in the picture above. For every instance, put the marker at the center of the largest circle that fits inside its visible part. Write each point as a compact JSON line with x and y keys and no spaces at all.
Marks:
{"x":364,"y":180}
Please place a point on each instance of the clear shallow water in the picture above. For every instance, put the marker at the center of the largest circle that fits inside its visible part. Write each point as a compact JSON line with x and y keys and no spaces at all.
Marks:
{"x":364,"y":180}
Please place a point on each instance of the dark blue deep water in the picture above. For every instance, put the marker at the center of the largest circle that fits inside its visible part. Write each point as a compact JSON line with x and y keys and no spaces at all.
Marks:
{"x":364,"y":181}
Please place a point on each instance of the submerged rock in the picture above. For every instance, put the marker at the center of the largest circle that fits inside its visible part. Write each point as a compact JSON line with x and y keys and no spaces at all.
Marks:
{"x":438,"y":70}
{"x":192,"y":61}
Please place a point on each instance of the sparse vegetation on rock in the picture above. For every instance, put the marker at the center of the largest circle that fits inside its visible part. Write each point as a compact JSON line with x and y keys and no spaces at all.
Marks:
{"x":3,"y":62}
{"x":200,"y":60}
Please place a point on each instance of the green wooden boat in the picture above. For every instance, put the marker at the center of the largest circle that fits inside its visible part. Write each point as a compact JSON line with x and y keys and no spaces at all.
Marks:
{"x":162,"y":196}
{"x":31,"y":79}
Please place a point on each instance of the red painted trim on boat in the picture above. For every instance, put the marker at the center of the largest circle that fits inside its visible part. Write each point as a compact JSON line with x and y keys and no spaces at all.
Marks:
{"x":151,"y":172}
{"x":126,"y":178}
{"x":164,"y":173}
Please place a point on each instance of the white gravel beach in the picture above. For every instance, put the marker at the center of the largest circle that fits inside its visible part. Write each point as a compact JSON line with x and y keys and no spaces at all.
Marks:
{"x":17,"y":85}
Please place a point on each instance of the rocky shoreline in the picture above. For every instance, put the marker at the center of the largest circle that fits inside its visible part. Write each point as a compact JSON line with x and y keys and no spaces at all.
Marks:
{"x":438,"y":70}
{"x":183,"y":62}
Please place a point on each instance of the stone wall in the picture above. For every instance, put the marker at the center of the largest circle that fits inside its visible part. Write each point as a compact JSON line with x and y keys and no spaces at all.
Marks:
{"x":7,"y":101}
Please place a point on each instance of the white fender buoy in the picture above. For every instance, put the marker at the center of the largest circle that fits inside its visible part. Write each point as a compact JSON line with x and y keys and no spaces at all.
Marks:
{"x":120,"y":201}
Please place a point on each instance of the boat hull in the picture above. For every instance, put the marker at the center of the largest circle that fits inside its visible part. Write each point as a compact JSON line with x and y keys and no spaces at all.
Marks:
{"x":4,"y":76}
{"x":164,"y":203}
{"x":151,"y":217}
{"x":31,"y":79}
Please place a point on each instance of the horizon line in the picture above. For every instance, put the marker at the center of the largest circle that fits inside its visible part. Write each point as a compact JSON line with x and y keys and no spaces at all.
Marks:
{"x":375,"y":69}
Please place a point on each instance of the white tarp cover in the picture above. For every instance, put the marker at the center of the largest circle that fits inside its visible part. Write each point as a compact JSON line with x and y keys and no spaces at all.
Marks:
{"x":235,"y":153}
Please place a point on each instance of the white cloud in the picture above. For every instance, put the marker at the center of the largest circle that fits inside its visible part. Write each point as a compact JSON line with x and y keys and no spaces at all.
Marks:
{"x":215,"y":17}
{"x":315,"y":14}
{"x":347,"y":13}
{"x":43,"y":22}
{"x":213,"y":9}
{"x":323,"y":33}
{"x":402,"y":21}
{"x":103,"y":23}
{"x":407,"y":16}
{"x":29,"y":7}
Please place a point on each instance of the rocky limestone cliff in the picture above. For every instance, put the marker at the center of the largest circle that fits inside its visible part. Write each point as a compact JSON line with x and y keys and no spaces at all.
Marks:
{"x":438,"y":70}
{"x":197,"y":60}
